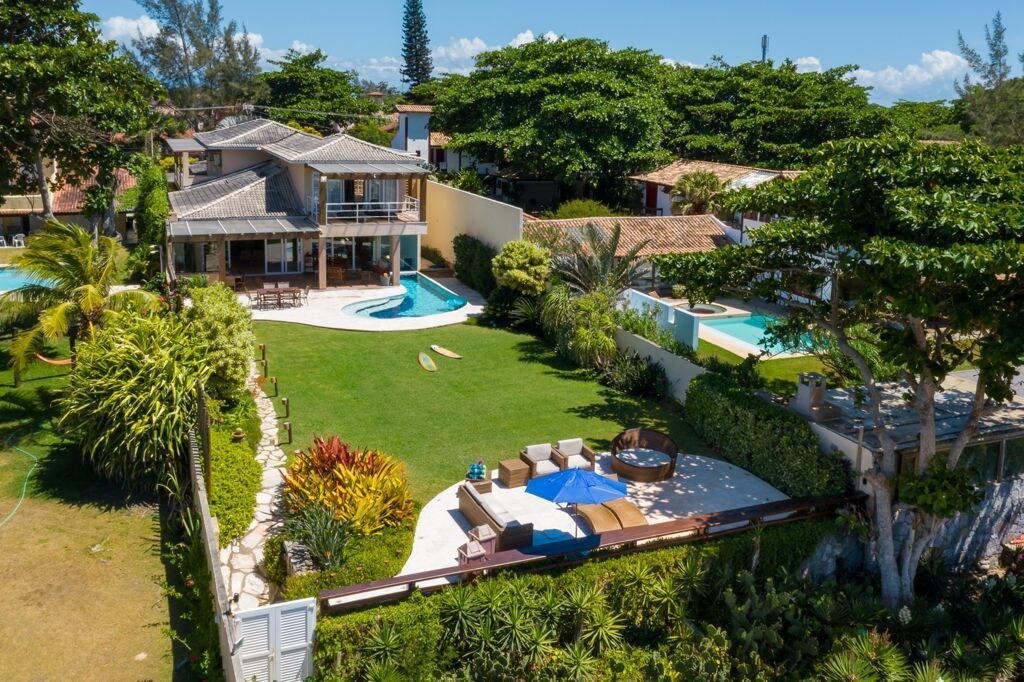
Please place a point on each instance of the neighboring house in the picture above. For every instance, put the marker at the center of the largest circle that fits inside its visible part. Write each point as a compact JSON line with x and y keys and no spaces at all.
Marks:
{"x":22,"y":213}
{"x":278,"y":201}
{"x":668,"y":234}
{"x":656,"y":189}
{"x":414,"y":136}
{"x":185,"y":170}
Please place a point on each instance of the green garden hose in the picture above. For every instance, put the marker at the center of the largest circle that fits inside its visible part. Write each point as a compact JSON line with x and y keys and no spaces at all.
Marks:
{"x":24,"y":485}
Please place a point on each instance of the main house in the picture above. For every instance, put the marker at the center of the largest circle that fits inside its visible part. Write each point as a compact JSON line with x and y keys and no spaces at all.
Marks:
{"x":278,"y":201}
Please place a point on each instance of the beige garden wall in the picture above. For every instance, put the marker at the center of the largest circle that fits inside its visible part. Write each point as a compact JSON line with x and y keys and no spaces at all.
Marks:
{"x":452,"y":212}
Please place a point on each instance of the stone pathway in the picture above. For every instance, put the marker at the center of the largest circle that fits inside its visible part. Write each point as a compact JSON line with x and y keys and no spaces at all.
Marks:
{"x":241,"y":561}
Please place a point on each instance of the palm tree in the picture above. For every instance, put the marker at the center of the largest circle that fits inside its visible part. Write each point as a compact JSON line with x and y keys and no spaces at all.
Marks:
{"x":69,"y":290}
{"x":590,"y":262}
{"x":697,"y":193}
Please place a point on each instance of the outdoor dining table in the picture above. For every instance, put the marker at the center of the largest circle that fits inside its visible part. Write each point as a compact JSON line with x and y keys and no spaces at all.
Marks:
{"x":272,"y":297}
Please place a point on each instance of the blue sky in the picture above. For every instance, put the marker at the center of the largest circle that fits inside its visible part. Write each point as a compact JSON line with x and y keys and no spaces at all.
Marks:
{"x":905,"y":48}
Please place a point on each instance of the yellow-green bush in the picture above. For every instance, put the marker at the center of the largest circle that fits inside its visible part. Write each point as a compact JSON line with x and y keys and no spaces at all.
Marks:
{"x":366,"y":488}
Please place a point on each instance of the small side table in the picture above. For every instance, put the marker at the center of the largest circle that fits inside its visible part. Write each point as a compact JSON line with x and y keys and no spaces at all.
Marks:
{"x":482,"y":485}
{"x":514,"y":473}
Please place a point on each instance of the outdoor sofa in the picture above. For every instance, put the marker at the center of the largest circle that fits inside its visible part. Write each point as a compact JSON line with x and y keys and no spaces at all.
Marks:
{"x":483,"y":509}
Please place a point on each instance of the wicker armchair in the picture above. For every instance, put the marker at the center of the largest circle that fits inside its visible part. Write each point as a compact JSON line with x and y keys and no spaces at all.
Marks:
{"x":540,"y":458}
{"x":573,"y":453}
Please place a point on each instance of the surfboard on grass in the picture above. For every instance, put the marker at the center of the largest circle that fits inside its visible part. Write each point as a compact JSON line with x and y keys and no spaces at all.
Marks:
{"x":426,"y":363}
{"x":440,"y":350}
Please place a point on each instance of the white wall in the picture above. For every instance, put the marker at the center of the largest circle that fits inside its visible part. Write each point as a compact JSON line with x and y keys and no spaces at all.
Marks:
{"x":413,"y":134}
{"x":452,"y":212}
{"x":237,"y":159}
{"x":680,"y":371}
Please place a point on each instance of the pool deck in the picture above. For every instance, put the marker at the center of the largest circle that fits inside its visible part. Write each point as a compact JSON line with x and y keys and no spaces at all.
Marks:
{"x":324,"y":309}
{"x":701,"y":485}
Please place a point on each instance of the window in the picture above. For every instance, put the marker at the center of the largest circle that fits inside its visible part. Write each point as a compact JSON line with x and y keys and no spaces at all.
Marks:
{"x":983,"y":460}
{"x":282,"y":255}
{"x":1013,"y":459}
{"x":381,"y":190}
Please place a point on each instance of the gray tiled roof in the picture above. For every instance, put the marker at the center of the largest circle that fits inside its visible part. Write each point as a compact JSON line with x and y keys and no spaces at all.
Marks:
{"x":246,"y":135}
{"x":303,"y":148}
{"x":259,"y":191}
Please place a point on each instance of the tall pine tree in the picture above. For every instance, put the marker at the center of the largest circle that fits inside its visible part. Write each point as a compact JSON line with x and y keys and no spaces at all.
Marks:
{"x":416,"y":45}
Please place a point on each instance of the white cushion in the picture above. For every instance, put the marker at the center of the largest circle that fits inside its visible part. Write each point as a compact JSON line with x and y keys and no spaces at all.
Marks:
{"x":495,"y":510}
{"x":546,"y":467}
{"x":578,"y":462}
{"x":573,"y":446}
{"x":538,"y":453}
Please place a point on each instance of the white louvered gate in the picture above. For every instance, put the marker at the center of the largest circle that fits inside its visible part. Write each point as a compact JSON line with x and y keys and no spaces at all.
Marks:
{"x":277,"y":641}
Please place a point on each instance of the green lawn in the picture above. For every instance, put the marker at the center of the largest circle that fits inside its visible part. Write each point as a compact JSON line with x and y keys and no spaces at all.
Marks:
{"x":780,"y":375}
{"x":81,"y":567}
{"x":510,"y":390}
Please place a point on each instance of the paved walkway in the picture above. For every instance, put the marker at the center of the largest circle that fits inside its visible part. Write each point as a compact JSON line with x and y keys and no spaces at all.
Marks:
{"x":324,"y":309}
{"x":242,"y":559}
{"x":700,"y":485}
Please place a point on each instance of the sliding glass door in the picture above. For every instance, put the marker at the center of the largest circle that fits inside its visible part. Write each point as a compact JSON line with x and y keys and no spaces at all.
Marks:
{"x":282,"y":256}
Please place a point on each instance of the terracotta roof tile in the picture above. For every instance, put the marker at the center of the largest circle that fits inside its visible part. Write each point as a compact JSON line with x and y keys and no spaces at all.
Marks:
{"x":666,"y":234}
{"x":70,"y":199}
{"x":439,"y":139}
{"x":414,"y":108}
{"x":745,"y":176}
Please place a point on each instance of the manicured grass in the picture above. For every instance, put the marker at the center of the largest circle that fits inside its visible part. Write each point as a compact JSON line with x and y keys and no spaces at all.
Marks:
{"x":780,"y":375}
{"x":81,"y":567}
{"x":7,"y":254}
{"x":510,"y":390}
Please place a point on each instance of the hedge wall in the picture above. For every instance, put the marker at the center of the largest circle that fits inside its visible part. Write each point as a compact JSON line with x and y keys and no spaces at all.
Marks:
{"x":770,"y":442}
{"x":473,"y":264}
{"x":235,"y":478}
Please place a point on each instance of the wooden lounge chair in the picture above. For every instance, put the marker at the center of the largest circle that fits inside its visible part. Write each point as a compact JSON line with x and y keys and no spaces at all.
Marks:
{"x":627,"y":513}
{"x":599,"y":518}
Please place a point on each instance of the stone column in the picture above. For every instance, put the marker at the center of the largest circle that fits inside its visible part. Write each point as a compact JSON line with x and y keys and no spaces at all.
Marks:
{"x":396,"y":260}
{"x":322,"y":262}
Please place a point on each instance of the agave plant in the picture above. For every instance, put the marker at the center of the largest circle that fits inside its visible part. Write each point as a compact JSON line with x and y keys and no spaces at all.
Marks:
{"x":383,"y":643}
{"x":602,"y":630}
{"x":69,"y":293}
{"x":578,"y":663}
{"x":460,"y":614}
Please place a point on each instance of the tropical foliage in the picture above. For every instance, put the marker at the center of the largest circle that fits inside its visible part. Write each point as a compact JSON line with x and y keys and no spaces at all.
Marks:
{"x":366,"y":488}
{"x":69,"y":294}
{"x":235,"y":478}
{"x":920,"y":259}
{"x":993,"y":106}
{"x":130,"y":398}
{"x":473,"y":264}
{"x":697,"y":193}
{"x":773,"y":444}
{"x":592,"y":260}
{"x":223,"y":326}
{"x":522,"y":266}
{"x":574,"y":110}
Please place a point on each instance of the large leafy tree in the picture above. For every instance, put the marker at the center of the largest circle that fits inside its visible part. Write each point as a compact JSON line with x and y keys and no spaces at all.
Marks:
{"x":924,"y":253}
{"x":303,"y":86}
{"x":760,"y":113}
{"x":415,"y":45}
{"x":574,"y":110}
{"x":67,"y":96}
{"x":70,"y":292}
{"x":200,"y":58}
{"x":992,"y":106}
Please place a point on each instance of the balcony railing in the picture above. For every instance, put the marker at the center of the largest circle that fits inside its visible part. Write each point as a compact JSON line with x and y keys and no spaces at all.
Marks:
{"x":406,"y":210}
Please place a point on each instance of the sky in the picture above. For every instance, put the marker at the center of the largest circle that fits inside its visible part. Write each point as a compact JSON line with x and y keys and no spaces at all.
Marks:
{"x":905,"y":49}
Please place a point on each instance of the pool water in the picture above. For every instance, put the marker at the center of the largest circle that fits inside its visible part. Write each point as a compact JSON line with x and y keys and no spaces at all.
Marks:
{"x":11,"y":278}
{"x":423,"y":296}
{"x":749,"y":329}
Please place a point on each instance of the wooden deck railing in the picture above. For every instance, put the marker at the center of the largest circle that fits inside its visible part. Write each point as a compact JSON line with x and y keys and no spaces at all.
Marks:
{"x":696,"y":528}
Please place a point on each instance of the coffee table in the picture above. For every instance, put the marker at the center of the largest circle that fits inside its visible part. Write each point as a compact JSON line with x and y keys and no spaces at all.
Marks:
{"x":514,"y":473}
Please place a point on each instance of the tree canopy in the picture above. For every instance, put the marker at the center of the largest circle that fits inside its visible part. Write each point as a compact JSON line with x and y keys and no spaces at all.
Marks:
{"x":992,"y":107}
{"x":303,"y":84}
{"x":67,"y":94}
{"x":574,"y":110}
{"x":764,"y":114}
{"x":201,"y":59}
{"x":920,"y":245}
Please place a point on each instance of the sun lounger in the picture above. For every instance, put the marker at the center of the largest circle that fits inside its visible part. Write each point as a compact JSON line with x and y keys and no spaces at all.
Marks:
{"x":627,"y":513}
{"x":599,"y":518}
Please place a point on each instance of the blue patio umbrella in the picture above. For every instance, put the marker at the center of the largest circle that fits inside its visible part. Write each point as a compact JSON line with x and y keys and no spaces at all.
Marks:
{"x":576,"y":486}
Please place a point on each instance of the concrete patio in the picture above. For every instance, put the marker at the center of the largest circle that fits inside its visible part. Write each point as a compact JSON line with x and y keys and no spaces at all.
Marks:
{"x":700,"y":485}
{"x":324,"y":309}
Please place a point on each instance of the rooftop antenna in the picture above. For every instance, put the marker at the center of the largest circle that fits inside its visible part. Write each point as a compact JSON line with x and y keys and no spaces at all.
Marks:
{"x":764,"y":48}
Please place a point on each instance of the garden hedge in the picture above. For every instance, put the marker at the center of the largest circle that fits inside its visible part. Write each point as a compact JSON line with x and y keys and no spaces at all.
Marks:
{"x":770,"y":442}
{"x":235,"y":478}
{"x":473,"y":264}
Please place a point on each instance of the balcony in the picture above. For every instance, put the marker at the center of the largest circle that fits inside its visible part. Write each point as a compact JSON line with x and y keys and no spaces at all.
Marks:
{"x":406,"y":210}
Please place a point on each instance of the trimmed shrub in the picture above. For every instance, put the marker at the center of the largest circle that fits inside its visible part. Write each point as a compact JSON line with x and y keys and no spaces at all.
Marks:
{"x":771,"y":443}
{"x":235,"y":478}
{"x":583,"y":208}
{"x":522,"y":266}
{"x":433,"y":255}
{"x":223,"y":325}
{"x":366,"y":488}
{"x":473,"y":264}
{"x":130,"y":398}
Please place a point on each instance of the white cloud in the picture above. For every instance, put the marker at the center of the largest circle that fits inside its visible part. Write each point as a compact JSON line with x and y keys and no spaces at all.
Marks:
{"x":672,"y":62}
{"x":459,"y":49}
{"x":807,"y":64}
{"x":529,"y":36}
{"x":123,"y":29}
{"x":936,"y":69}
{"x":268,"y":53}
